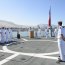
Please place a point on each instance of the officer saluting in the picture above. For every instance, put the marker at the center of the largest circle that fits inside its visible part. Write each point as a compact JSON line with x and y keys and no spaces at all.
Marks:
{"x":61,"y":42}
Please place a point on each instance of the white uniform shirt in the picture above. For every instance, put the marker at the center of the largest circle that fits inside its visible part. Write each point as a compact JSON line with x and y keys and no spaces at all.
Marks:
{"x":55,"y":32}
{"x":7,"y":35}
{"x":46,"y":32}
{"x":60,"y":31}
{"x":10,"y":35}
{"x":63,"y":31}
{"x":39,"y":33}
{"x":2,"y":35}
{"x":35,"y":34}
{"x":61,"y":43}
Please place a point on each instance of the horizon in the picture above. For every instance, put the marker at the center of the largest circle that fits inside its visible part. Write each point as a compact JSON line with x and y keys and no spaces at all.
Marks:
{"x":20,"y":24}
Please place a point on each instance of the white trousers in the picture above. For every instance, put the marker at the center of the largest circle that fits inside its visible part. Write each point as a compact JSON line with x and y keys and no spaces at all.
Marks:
{"x":2,"y":39}
{"x":46,"y":34}
{"x":61,"y":46}
{"x":7,"y":38}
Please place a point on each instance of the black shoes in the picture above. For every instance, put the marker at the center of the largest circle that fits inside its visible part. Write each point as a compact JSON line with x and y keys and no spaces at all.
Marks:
{"x":59,"y":60}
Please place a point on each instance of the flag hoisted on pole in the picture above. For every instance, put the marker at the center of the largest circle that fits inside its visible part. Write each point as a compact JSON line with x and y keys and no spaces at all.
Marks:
{"x":49,"y":21}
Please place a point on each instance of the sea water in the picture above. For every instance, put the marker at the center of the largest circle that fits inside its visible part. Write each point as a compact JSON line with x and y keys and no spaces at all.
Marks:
{"x":24,"y":34}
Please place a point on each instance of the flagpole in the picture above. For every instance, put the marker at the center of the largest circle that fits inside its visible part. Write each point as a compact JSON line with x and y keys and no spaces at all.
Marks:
{"x":49,"y":23}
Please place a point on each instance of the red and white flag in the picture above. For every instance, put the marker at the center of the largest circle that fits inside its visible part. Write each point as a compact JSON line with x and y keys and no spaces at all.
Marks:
{"x":49,"y":20}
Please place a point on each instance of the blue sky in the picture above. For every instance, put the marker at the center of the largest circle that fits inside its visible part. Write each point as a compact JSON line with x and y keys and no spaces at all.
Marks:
{"x":32,"y":12}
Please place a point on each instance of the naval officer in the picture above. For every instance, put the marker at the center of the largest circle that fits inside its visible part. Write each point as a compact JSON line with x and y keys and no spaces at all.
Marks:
{"x":7,"y":35}
{"x":39,"y":33}
{"x":61,"y":42}
{"x":46,"y":33}
{"x":36,"y":34}
{"x":2,"y":35}
{"x":55,"y":32}
{"x":10,"y":35}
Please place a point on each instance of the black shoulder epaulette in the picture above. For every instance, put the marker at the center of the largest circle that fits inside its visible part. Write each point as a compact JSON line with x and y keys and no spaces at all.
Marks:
{"x":63,"y":26}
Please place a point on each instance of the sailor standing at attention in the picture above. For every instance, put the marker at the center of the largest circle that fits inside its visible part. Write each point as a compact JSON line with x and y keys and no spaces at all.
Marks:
{"x":2,"y":35}
{"x":55,"y":32}
{"x":10,"y":35}
{"x":46,"y":33}
{"x":61,"y":42}
{"x":7,"y":35}
{"x":35,"y":34}
{"x":39,"y":33}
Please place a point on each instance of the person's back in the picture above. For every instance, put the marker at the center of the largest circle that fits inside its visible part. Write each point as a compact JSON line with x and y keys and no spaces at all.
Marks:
{"x":63,"y":42}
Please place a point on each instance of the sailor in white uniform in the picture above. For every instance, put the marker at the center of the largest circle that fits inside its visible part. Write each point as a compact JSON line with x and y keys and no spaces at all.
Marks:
{"x":55,"y":33}
{"x":35,"y":34}
{"x":10,"y":35}
{"x":39,"y":33}
{"x":2,"y":35}
{"x":7,"y":35}
{"x":46,"y":33}
{"x":61,"y":42}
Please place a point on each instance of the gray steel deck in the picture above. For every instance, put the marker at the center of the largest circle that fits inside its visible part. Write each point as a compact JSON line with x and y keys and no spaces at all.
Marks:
{"x":31,"y":52}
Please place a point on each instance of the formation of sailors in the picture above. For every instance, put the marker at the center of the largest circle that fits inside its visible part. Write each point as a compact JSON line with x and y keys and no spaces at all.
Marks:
{"x":46,"y":33}
{"x":6,"y":35}
{"x":38,"y":34}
